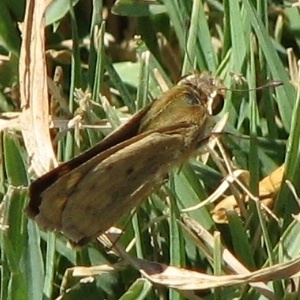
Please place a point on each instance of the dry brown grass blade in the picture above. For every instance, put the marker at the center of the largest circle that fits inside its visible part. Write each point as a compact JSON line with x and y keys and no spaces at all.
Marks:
{"x":34,"y":91}
{"x":189,"y":280}
{"x":81,"y":271}
{"x":9,"y":120}
{"x":206,"y":243}
{"x":230,"y":178}
{"x":268,"y":189}
{"x":279,"y":271}
{"x":184,"y":279}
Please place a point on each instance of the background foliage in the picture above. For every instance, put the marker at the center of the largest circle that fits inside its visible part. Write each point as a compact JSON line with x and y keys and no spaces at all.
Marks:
{"x":256,"y":40}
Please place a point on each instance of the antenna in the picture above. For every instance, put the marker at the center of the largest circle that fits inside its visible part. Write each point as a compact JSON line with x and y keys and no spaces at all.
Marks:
{"x":274,"y":83}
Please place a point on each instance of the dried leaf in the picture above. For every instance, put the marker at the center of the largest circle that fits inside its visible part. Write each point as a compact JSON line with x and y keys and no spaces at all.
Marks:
{"x":268,"y":189}
{"x":187,"y":280}
{"x":34,"y":91}
{"x":184,"y":279}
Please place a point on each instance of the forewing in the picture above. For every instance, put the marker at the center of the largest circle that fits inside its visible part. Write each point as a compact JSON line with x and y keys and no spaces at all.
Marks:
{"x":121,"y":135}
{"x":109,"y":187}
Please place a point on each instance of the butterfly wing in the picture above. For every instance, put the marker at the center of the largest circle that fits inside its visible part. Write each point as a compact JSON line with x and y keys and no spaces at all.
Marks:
{"x":125,"y":132}
{"x":87,"y":195}
{"x":92,"y":197}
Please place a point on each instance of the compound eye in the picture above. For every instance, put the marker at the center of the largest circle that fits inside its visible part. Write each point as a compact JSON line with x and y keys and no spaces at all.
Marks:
{"x":216,"y":104}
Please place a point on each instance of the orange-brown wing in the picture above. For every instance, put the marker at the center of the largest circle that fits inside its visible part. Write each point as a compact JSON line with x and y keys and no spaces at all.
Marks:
{"x":93,"y":196}
{"x":125,"y":132}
